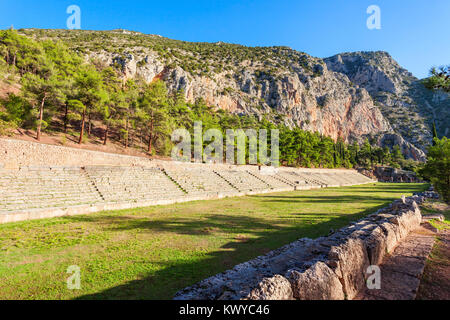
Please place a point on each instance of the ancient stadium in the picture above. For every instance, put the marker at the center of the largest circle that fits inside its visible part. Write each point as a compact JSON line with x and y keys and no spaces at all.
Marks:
{"x":152,"y":229}
{"x":224,"y":160}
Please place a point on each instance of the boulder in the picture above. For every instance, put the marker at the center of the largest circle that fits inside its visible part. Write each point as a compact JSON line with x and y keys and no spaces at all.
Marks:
{"x":391,"y":232}
{"x":274,"y":288}
{"x":316,"y":283}
{"x":376,"y":245}
{"x":350,"y":261}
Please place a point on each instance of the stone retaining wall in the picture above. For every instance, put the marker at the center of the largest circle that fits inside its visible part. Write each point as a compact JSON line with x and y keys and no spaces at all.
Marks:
{"x":15,"y":154}
{"x":327,"y":268}
{"x":388,"y":174}
{"x":45,"y":192}
{"x":43,"y":181}
{"x":19,"y":153}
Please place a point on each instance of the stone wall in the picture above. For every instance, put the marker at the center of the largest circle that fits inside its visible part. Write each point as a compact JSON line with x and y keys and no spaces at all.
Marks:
{"x":19,"y":153}
{"x":327,"y":268}
{"x":39,"y":181}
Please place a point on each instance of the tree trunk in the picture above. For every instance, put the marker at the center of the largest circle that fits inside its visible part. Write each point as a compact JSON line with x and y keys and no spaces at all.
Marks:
{"x":150,"y":138}
{"x":83,"y":120}
{"x":106,"y":136}
{"x":126,"y":138}
{"x":41,"y":114}
{"x":89,"y":124}
{"x":66,"y":114}
{"x":150,"y":144}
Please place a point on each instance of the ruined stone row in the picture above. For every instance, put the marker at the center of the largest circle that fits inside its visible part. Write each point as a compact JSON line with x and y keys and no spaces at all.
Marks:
{"x":39,"y":192}
{"x":332,"y":267}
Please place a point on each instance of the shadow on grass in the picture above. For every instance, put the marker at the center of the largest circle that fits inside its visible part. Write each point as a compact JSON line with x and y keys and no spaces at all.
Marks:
{"x":262,"y":237}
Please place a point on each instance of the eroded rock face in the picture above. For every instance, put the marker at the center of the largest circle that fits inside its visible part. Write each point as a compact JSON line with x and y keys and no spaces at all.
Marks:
{"x":320,"y":99}
{"x":407,"y":148}
{"x":332,"y":267}
{"x":398,"y":94}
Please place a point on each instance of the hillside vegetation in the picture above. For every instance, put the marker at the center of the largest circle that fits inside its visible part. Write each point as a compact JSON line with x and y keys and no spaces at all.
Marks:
{"x":62,"y":91}
{"x":350,"y":95}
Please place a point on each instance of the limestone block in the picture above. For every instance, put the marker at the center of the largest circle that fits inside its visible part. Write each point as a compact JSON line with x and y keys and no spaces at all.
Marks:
{"x":376,"y":246}
{"x":274,"y":288}
{"x":350,"y":261}
{"x":316,"y":283}
{"x":392,"y":235}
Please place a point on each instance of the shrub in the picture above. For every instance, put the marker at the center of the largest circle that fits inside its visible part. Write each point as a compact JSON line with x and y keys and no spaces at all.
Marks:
{"x":437,"y":168}
{"x":7,"y":127}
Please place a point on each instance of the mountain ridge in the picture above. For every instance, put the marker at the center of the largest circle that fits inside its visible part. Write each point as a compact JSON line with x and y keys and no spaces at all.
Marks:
{"x":352,"y":95}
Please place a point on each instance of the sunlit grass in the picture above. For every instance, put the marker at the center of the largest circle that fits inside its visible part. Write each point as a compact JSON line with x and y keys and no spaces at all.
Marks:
{"x":150,"y":253}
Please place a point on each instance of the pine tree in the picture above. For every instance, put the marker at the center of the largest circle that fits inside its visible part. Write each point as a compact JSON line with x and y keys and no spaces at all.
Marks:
{"x":41,"y":91}
{"x":90,"y":93}
{"x":153,"y":113}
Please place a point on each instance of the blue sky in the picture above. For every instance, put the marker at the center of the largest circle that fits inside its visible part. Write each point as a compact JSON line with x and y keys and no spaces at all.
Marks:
{"x":416,"y":33}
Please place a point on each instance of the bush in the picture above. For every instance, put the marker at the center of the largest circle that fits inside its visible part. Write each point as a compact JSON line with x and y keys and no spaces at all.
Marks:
{"x":7,"y":128}
{"x":437,"y":168}
{"x":17,"y":110}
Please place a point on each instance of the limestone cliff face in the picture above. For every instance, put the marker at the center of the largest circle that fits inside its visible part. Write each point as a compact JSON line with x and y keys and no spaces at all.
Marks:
{"x":351,"y":95}
{"x":405,"y":103}
{"x":322,"y":100}
{"x":325,"y":103}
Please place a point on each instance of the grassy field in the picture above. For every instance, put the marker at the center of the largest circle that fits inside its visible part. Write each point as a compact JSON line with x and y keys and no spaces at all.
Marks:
{"x":150,"y":253}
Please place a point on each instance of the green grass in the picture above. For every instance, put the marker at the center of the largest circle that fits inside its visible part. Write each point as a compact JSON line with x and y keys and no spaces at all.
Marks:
{"x":150,"y":253}
{"x":431,"y":207}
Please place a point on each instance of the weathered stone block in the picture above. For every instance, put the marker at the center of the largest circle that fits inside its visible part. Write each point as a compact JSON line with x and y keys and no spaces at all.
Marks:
{"x":391,"y":232}
{"x":350,"y":261}
{"x":376,"y":246}
{"x":274,"y":288}
{"x":316,"y":283}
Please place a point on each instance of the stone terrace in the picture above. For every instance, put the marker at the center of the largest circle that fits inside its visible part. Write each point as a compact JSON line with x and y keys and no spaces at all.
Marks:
{"x":242,"y":180}
{"x":39,"y":189}
{"x":116,"y":184}
{"x":30,"y":188}
{"x":41,"y":181}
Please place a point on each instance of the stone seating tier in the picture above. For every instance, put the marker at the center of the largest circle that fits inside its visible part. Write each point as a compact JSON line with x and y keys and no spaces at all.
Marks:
{"x":63,"y":187}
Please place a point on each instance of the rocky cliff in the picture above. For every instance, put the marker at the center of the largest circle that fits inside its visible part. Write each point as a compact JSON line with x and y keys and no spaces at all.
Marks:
{"x":408,"y":106}
{"x":351,"y":95}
